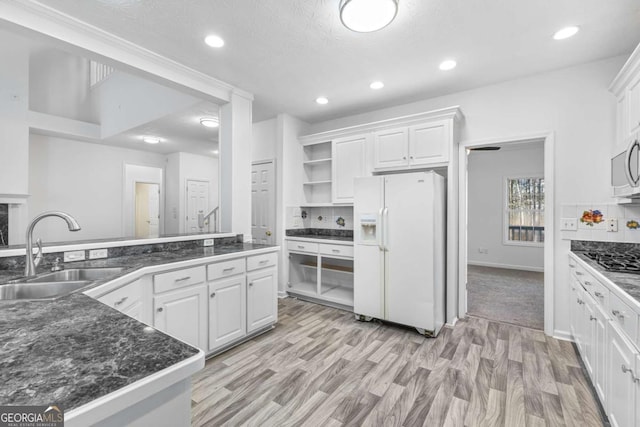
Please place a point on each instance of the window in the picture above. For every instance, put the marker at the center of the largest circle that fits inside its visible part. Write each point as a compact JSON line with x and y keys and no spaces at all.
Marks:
{"x":524,"y":214}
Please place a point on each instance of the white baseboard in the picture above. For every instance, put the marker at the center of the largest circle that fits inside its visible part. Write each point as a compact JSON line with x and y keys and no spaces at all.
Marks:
{"x":453,"y":323}
{"x":507,"y":266}
{"x":562,"y":335}
{"x":282,"y":294}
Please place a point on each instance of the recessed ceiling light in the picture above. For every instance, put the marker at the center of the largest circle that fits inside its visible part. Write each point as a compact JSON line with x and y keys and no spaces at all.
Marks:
{"x":210,"y":122}
{"x":214,"y":152}
{"x":322,"y":100}
{"x":151,"y":139}
{"x":365,"y":16}
{"x":376,"y":85}
{"x":565,"y":33}
{"x":214,"y":41}
{"x":447,"y":65}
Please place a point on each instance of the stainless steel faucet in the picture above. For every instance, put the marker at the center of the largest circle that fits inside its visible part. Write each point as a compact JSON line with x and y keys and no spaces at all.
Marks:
{"x":30,"y":265}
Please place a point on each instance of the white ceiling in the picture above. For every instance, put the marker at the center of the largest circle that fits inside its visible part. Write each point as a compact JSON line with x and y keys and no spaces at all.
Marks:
{"x":288,"y":52}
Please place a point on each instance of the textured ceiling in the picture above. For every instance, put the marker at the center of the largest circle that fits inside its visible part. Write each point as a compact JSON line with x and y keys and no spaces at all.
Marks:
{"x":288,"y":52}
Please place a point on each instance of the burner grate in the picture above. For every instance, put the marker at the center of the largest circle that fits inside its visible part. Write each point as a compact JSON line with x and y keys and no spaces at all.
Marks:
{"x":618,"y":262}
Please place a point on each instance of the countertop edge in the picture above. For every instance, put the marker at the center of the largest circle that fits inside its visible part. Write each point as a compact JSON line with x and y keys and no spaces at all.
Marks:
{"x":325,"y":240}
{"x":125,"y":397}
{"x":619,"y":292}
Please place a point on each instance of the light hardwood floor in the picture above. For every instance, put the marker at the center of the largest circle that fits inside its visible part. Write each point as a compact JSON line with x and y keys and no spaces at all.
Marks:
{"x":321,"y":367}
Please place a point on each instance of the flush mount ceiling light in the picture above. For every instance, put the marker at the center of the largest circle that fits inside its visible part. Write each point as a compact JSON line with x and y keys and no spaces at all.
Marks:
{"x":214,"y":41}
{"x":376,"y":85}
{"x":447,"y":65}
{"x":365,"y":16}
{"x":322,"y":100}
{"x":565,"y":33}
{"x":209,"y":122}
{"x":151,"y":139}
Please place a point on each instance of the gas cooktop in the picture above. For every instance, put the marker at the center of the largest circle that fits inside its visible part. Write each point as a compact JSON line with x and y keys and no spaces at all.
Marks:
{"x":617,"y":262}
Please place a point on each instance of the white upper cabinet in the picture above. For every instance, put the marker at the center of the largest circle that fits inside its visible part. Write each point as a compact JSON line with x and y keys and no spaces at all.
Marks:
{"x":390,"y":148}
{"x":626,"y":88}
{"x":349,"y":161}
{"x":633,"y":107}
{"x":429,"y":143}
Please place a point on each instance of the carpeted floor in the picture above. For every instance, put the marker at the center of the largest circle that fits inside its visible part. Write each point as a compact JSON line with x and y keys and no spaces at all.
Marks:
{"x":511,"y":296}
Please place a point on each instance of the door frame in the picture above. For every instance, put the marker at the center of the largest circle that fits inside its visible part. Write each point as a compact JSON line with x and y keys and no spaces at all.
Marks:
{"x":274,"y":197}
{"x":548,"y":138}
{"x":128,"y":214}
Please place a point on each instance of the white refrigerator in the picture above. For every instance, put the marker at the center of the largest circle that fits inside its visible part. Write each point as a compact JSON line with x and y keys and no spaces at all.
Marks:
{"x":399,"y":250}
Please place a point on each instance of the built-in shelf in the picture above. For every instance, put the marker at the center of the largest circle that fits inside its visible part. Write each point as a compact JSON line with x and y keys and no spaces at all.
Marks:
{"x":317,"y":182}
{"x":304,"y":287}
{"x":330,"y":267}
{"x":317,"y":205}
{"x":317,"y":162}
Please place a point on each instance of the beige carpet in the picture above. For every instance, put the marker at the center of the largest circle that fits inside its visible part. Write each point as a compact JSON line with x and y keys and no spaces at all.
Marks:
{"x":511,"y":296}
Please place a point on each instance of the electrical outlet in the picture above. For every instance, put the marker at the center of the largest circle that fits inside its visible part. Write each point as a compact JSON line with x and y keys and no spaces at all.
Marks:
{"x":569,"y":224}
{"x":612,"y":224}
{"x":98,"y":253}
{"x":208,"y":242}
{"x":483,"y":250}
{"x":74,"y":256}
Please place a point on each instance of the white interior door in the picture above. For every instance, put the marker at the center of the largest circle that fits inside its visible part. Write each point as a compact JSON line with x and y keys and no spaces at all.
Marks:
{"x":197,"y":202}
{"x":263,"y":202}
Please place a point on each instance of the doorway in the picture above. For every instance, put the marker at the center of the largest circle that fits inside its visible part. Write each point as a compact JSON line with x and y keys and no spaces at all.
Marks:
{"x":506,"y":264}
{"x":263,"y":202}
{"x":147,"y":209}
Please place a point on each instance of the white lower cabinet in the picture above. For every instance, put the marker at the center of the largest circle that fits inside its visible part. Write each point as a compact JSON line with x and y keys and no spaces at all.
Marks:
{"x":183,"y":314}
{"x":227,"y":314}
{"x":622,"y":384}
{"x":262,"y":303}
{"x":135,"y":311}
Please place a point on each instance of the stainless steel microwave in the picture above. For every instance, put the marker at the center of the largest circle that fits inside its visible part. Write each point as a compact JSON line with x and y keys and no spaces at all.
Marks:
{"x":625,"y":171}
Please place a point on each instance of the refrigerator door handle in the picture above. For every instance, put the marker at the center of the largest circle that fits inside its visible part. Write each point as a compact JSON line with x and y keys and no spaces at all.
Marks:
{"x":385,"y":228}
{"x":379,"y":231}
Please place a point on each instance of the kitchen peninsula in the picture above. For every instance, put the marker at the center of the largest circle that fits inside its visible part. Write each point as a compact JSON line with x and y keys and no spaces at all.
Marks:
{"x":105,"y":367}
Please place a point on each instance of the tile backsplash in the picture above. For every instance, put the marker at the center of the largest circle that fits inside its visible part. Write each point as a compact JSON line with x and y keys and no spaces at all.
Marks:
{"x":593,"y":221}
{"x":320,"y":217}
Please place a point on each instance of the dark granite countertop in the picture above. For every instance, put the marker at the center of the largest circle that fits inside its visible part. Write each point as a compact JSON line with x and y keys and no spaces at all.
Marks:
{"x":320,"y":233}
{"x":628,"y":282}
{"x":315,"y":236}
{"x":75,"y":349}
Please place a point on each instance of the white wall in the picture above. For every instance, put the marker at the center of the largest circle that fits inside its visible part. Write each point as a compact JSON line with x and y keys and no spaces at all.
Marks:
{"x":264,"y":140}
{"x":574,"y":103}
{"x":82,"y":179}
{"x":486,"y":205}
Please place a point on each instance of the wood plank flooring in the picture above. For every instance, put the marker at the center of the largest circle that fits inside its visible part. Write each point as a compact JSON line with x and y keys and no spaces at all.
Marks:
{"x":321,"y":367}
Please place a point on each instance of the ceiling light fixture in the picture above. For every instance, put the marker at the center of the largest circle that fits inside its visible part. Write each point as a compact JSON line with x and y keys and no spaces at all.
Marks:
{"x":322,"y":100}
{"x":565,"y":33}
{"x":365,"y":16}
{"x":214,"y":41}
{"x":214,"y":152}
{"x":209,"y":122}
{"x":151,"y":139}
{"x":376,"y":85}
{"x":447,"y":65}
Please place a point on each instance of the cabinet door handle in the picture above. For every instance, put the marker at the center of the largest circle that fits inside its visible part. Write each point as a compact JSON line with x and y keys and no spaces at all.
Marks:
{"x":337,"y":251}
{"x":228,"y":269}
{"x":250,"y":283}
{"x":160,"y":310}
{"x":578,"y":273}
{"x":411,"y":157}
{"x":404,"y":157}
{"x":580,"y":301}
{"x":598,"y":294}
{"x":588,"y":283}
{"x":120,"y":301}
{"x":300,"y":247}
{"x":572,"y":266}
{"x":213,"y":294}
{"x":617,"y":313}
{"x":593,"y":318}
{"x":182,"y":279}
{"x":630,"y":371}
{"x":264,"y":261}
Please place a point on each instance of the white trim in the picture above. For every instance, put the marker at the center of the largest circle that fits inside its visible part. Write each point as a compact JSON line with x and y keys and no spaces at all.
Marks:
{"x":562,"y":335}
{"x":507,"y":266}
{"x":549,"y":262}
{"x":97,"y":44}
{"x":99,"y":244}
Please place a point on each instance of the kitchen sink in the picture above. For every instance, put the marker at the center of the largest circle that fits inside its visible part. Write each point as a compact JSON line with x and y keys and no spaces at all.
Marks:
{"x":40,"y":290}
{"x":76,"y":274}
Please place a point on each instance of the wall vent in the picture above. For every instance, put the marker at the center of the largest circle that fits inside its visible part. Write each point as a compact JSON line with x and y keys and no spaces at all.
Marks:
{"x":99,"y":73}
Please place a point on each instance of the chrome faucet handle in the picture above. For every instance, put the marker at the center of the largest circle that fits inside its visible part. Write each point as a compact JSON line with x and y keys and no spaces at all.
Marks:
{"x":56,"y":265}
{"x":38,"y":258}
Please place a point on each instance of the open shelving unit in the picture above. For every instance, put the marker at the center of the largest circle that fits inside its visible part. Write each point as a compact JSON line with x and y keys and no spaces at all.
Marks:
{"x":317,"y":173}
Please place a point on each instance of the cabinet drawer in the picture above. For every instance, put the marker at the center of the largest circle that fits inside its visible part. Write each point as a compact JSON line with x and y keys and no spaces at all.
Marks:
{"x":124,"y":297}
{"x":178,"y":279}
{"x":624,"y":317}
{"x":338,"y":250}
{"x":225,"y":269}
{"x":260,"y":261}
{"x":296,"y":246}
{"x":598,"y":291}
